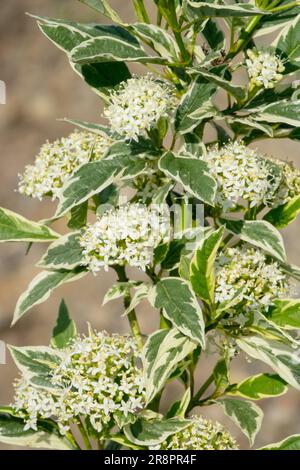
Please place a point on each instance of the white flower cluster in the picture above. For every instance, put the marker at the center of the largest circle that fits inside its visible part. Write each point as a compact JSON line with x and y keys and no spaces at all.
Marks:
{"x":138,"y":104}
{"x":57,"y":160}
{"x":202,"y":434}
{"x":290,"y":184}
{"x":264,"y":69}
{"x":247,"y":275}
{"x":241,"y":174}
{"x":127,"y":235}
{"x":98,"y":378}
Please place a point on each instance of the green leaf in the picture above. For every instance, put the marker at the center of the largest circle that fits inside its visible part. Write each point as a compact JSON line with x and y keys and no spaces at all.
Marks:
{"x":192,"y":173}
{"x":103,"y":7}
{"x":289,"y":443}
{"x":195,"y":106}
{"x":14,"y":227}
{"x":64,"y":253}
{"x":65,"y":328}
{"x":78,"y":216}
{"x":258,"y":323}
{"x":292,"y":270}
{"x":196,"y":9}
{"x":123,"y":441}
{"x":259,"y":233}
{"x":93,"y":177}
{"x":271,"y":23}
{"x":67,"y":35}
{"x":260,"y":386}
{"x":46,"y":437}
{"x":202,"y":274}
{"x":237,"y":92}
{"x":283,"y":359}
{"x":283,"y":215}
{"x":117,"y":290}
{"x":221,"y":374}
{"x":242,"y":125}
{"x":288,"y":42}
{"x":282,"y":112}
{"x":286,"y":313}
{"x":180,"y":306}
{"x":37,"y":363}
{"x":152,"y":432}
{"x":162,"y":41}
{"x":213,"y":35}
{"x":180,"y":407}
{"x":40,"y":289}
{"x":93,"y":127}
{"x":246,"y":415}
{"x":184,"y":267}
{"x":163,"y":351}
{"x":111,"y":48}
{"x":141,"y":292}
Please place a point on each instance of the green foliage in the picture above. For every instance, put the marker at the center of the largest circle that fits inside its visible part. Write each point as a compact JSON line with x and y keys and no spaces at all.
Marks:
{"x":14,"y":228}
{"x":41,"y":287}
{"x":245,"y":414}
{"x":65,"y":328}
{"x":260,"y":386}
{"x":202,"y":266}
{"x":46,"y":436}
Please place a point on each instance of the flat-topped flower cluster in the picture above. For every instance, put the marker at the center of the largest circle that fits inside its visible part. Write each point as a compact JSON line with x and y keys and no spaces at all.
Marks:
{"x":126,"y":235}
{"x":247,"y":275}
{"x":57,"y":160}
{"x":201,"y":434}
{"x":98,"y":378}
{"x":244,"y":175}
{"x":138,"y":104}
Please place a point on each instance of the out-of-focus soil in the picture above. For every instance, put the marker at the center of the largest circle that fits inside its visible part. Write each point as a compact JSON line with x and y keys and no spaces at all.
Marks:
{"x":41,"y":87}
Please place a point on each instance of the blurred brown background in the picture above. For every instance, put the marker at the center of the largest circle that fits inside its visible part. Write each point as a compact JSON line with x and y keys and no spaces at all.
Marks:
{"x":41,"y":87}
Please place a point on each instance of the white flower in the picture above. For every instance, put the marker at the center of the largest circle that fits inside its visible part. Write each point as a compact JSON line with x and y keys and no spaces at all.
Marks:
{"x":76,"y":392}
{"x":246,"y":274}
{"x":241,"y":174}
{"x":289,"y":186}
{"x":138,"y":104}
{"x":127,"y":235}
{"x":201,"y":434}
{"x":264,"y":69}
{"x":56,"y":161}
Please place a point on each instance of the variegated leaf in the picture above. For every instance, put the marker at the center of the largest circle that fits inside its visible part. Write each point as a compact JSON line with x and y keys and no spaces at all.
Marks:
{"x":281,"y":358}
{"x":41,"y":287}
{"x":259,"y":233}
{"x":14,"y":227}
{"x":64,"y":253}
{"x":202,"y":275}
{"x":162,"y":352}
{"x":179,"y":304}
{"x":192,"y":173}
{"x":245,"y":414}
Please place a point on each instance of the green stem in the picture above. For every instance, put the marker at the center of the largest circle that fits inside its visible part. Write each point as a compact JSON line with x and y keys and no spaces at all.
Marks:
{"x":248,"y":31}
{"x":141,"y":11}
{"x":84,"y":434}
{"x":247,"y":34}
{"x":200,"y":392}
{"x":285,"y":7}
{"x":70,"y":436}
{"x":159,"y":18}
{"x":177,"y":34}
{"x":132,"y":318}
